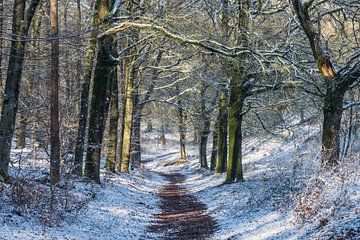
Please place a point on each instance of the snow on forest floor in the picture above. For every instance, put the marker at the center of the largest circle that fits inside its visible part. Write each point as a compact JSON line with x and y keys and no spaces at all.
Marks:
{"x":120,"y":208}
{"x":285,"y":195}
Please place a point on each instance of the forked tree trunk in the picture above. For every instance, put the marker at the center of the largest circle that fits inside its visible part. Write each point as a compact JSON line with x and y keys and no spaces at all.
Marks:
{"x":20,"y":28}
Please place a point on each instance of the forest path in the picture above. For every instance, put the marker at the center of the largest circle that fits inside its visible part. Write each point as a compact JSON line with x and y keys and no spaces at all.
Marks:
{"x":183,"y":215}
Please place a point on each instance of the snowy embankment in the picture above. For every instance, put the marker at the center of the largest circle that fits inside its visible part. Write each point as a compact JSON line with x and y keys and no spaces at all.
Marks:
{"x":285,"y":195}
{"x":120,"y":208}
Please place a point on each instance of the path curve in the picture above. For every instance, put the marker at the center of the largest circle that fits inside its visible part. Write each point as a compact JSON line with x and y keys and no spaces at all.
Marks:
{"x":183,"y":215}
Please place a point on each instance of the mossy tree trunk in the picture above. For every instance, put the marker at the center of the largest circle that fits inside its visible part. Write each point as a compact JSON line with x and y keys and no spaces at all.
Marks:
{"x":105,"y":71}
{"x":122,"y":112}
{"x":238,"y":94}
{"x":20,"y":28}
{"x":130,"y":76}
{"x":182,"y":126}
{"x":222,"y":132}
{"x":236,"y":102}
{"x":113,"y":126}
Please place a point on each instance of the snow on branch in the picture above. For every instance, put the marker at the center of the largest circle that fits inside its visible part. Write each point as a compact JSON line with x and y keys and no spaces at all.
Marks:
{"x":209,"y":45}
{"x":116,"y":5}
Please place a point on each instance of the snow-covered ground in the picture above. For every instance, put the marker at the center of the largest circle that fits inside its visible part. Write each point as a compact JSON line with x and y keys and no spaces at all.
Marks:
{"x":285,"y":195}
{"x":120,"y":208}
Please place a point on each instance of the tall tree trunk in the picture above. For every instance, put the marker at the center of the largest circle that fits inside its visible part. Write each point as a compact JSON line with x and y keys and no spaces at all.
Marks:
{"x":182,"y":127}
{"x":222,"y":118}
{"x":214,"y":151}
{"x":104,"y":72}
{"x":332,"y":110}
{"x":237,"y":97}
{"x":337,"y":83}
{"x":35,"y":34}
{"x":122,"y":106}
{"x":84,"y":99}
{"x":1,"y":43}
{"x":79,"y":67}
{"x":205,"y":128}
{"x":135,"y":157}
{"x":222,"y":131}
{"x":20,"y":27}
{"x":130,"y":76}
{"x":113,"y":126}
{"x":54,"y":95}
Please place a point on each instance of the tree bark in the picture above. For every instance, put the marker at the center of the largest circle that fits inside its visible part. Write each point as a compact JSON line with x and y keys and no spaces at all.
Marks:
{"x":84,"y":99}
{"x":123,"y":109}
{"x":135,"y":157}
{"x":20,"y":28}
{"x":222,"y":132}
{"x":130,"y":75}
{"x":54,"y":95}
{"x":1,"y":42}
{"x":237,"y":97}
{"x":205,"y":128}
{"x":182,"y":127}
{"x":332,"y":110}
{"x":105,"y":71}
{"x":113,"y":126}
{"x":337,"y":83}
{"x":214,"y":151}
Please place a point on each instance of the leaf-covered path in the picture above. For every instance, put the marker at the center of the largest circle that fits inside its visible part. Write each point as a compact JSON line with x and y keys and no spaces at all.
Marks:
{"x":183,"y":215}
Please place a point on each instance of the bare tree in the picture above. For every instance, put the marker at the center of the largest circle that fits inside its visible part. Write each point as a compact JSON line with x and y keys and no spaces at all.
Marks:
{"x":20,"y":27}
{"x":54,"y":95}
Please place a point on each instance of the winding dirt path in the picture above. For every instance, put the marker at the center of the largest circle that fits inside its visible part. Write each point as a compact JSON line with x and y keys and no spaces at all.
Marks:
{"x":183,"y":215}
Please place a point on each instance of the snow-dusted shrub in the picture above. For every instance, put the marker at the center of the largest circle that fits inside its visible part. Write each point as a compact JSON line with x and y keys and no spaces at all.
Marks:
{"x":329,"y":195}
{"x":25,"y":194}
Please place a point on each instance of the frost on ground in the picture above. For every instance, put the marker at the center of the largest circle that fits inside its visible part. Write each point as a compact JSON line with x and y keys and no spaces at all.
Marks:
{"x":285,"y":195}
{"x":120,"y":208}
